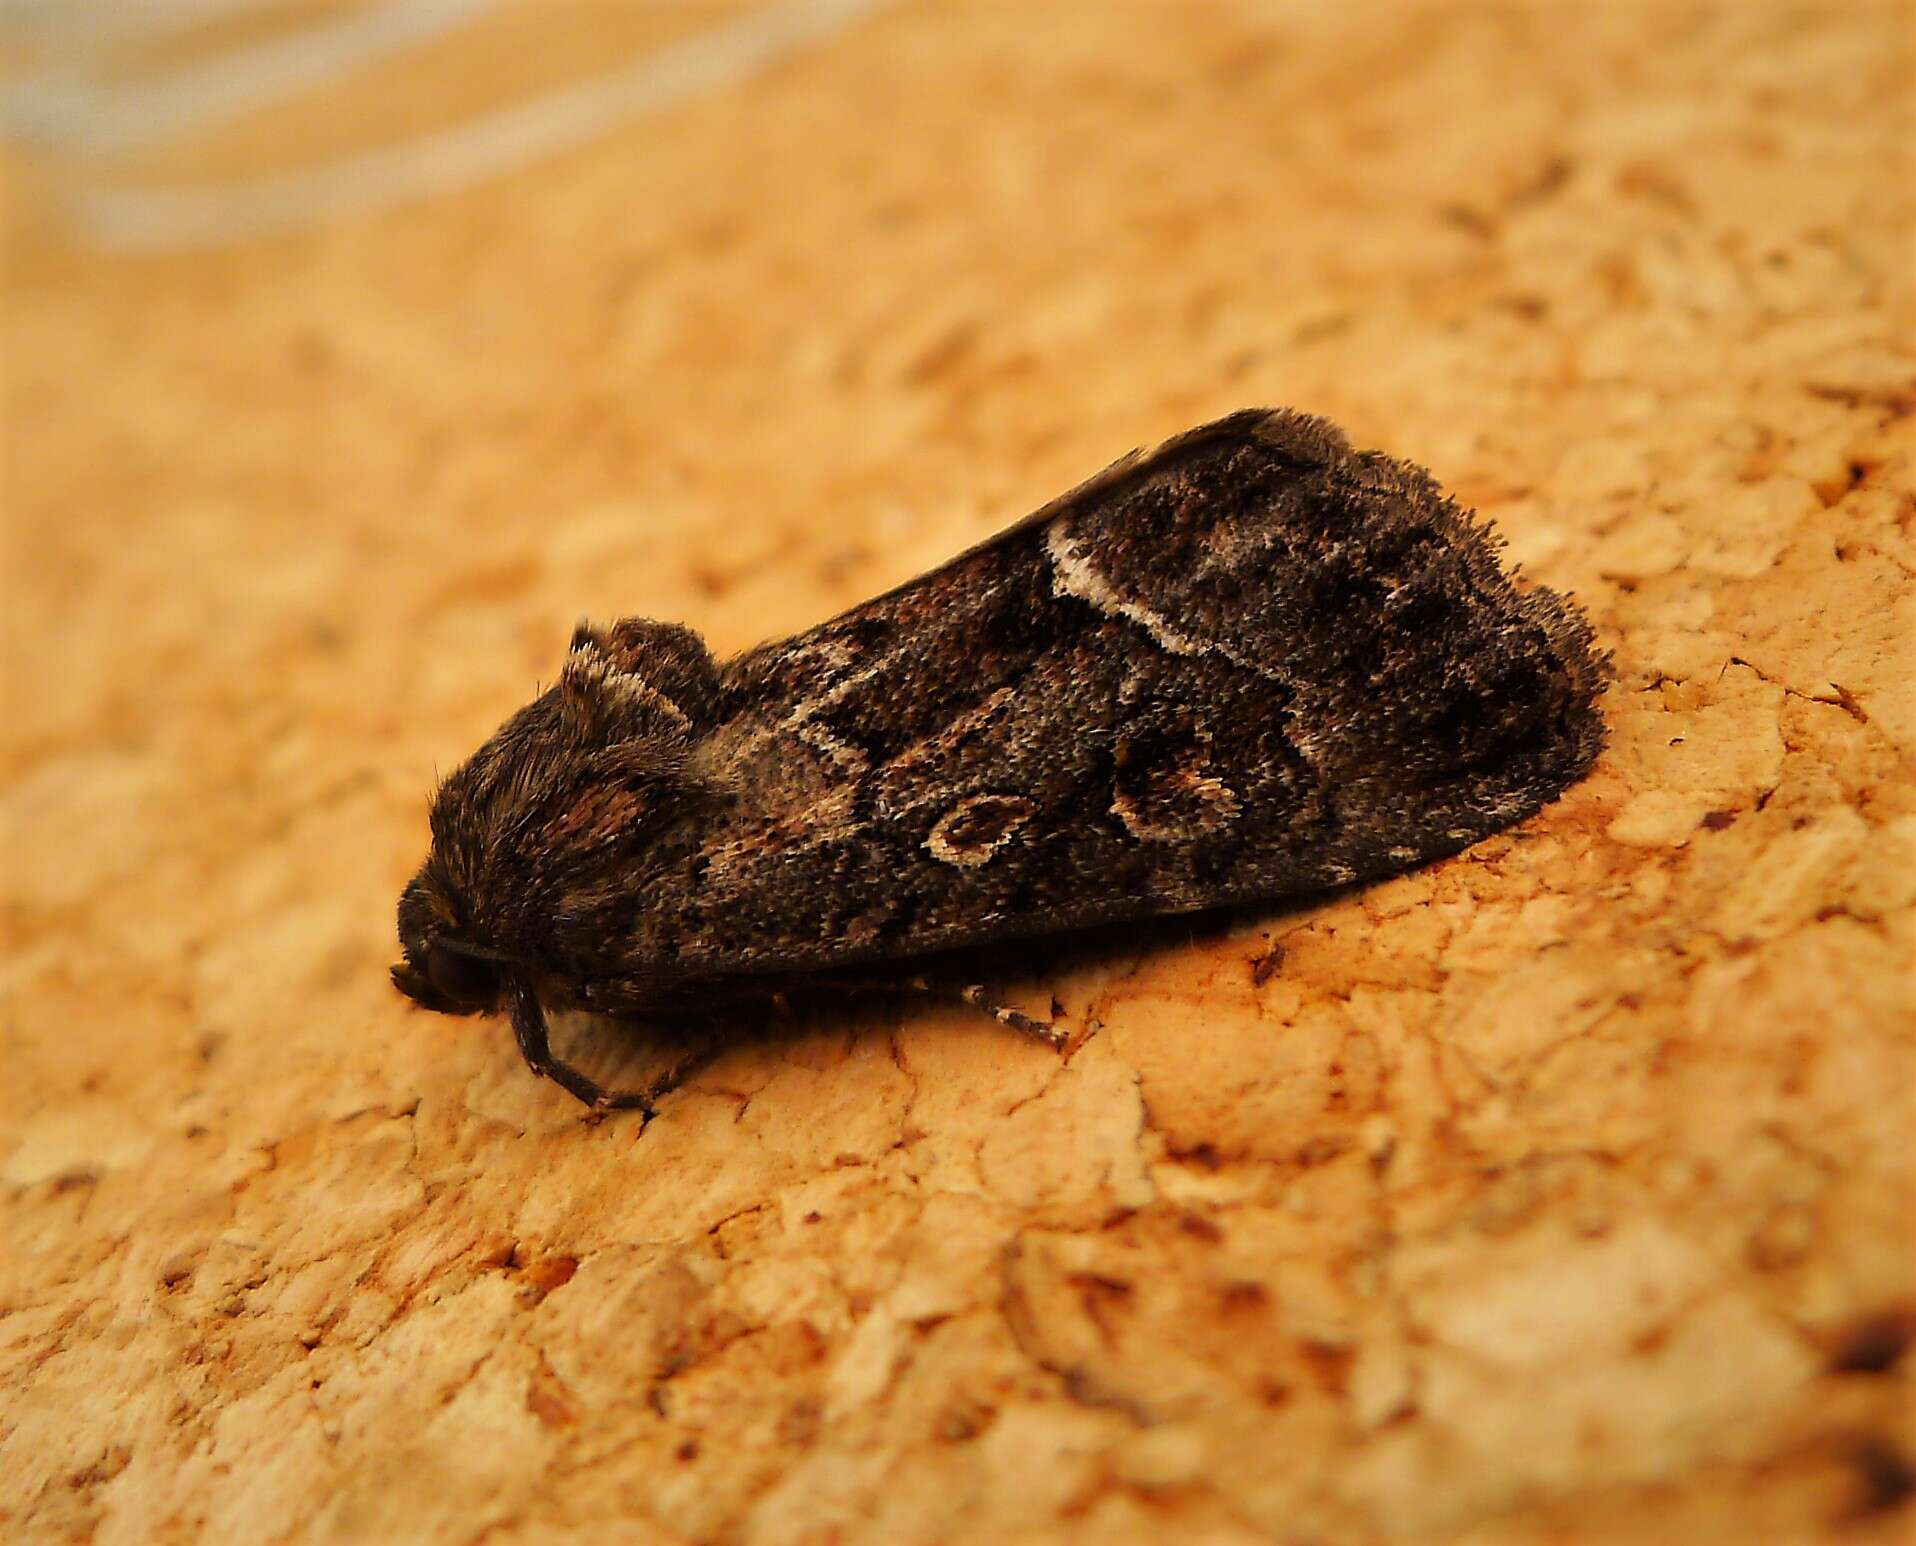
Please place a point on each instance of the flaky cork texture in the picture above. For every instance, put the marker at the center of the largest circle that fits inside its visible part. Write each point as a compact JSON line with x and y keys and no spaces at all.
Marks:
{"x":1557,"y":1191}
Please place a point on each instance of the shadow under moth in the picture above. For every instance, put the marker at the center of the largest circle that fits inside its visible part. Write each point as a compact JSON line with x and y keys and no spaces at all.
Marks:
{"x":1247,"y":666}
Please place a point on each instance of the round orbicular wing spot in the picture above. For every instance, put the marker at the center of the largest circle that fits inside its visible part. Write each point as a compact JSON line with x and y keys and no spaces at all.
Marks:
{"x":973,"y":830}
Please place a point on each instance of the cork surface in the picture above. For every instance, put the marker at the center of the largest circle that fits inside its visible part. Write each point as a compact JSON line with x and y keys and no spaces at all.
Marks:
{"x":1559,"y":1191}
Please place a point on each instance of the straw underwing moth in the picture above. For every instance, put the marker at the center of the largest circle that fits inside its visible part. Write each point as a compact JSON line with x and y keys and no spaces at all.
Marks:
{"x":1249,"y":665}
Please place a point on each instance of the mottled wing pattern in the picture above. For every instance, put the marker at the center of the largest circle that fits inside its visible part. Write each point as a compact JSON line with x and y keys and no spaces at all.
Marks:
{"x":1251,"y":664}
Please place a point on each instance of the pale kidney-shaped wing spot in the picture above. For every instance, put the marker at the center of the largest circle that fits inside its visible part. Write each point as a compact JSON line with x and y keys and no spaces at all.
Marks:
{"x":973,"y":830}
{"x":1163,"y":790}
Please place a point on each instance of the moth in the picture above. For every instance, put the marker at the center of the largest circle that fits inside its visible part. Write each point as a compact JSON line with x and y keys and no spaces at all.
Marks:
{"x":1249,"y":665}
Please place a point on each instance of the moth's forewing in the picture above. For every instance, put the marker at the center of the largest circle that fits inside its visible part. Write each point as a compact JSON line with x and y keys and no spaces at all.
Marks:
{"x":1248,"y":664}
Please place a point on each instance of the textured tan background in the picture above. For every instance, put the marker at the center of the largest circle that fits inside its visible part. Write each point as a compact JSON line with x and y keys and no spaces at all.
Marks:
{"x":1561,"y":1191}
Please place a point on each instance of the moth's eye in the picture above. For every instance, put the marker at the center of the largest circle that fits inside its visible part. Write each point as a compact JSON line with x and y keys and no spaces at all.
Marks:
{"x":465,"y":979}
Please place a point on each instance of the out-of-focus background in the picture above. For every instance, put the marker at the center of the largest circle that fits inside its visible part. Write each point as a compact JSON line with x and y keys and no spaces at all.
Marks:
{"x":353,"y":350}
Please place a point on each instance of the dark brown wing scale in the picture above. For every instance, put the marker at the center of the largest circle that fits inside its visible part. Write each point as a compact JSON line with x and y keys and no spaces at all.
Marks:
{"x":1251,"y":664}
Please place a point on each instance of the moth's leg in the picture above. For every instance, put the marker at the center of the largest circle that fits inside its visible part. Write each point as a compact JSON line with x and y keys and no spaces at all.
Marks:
{"x":977,"y":996}
{"x":645,"y":1099}
{"x":972,"y":995}
{"x":535,"y":1046}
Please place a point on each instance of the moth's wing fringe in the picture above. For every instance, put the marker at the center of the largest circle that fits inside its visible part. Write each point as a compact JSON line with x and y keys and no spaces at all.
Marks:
{"x":1476,"y":543}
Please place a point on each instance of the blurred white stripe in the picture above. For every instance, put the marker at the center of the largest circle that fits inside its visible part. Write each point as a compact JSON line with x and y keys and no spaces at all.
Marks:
{"x":111,"y":22}
{"x":106,"y":118}
{"x":454,"y":158}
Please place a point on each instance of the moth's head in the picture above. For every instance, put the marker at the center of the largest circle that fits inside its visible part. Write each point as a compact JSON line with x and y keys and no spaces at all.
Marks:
{"x":442,"y":968}
{"x":545,"y":822}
